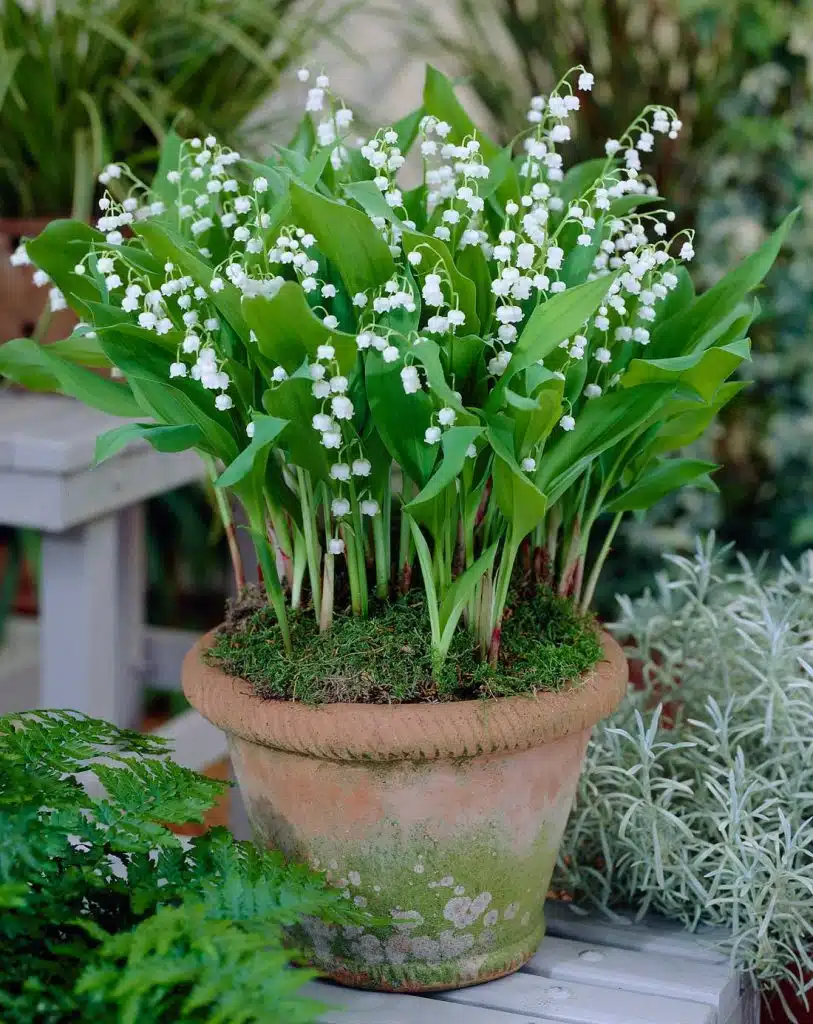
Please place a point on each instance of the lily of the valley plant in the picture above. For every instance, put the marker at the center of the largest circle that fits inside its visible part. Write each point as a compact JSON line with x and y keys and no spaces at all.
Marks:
{"x":481,"y":372}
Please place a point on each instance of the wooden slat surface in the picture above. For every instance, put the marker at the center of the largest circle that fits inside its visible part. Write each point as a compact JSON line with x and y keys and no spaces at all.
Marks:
{"x":675,"y":977}
{"x":652,"y":935}
{"x":574,"y":1003}
{"x":51,"y":433}
{"x":353,"y":1007}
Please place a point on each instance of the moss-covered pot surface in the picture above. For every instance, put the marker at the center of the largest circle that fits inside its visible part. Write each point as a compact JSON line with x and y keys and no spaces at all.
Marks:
{"x":440,"y":820}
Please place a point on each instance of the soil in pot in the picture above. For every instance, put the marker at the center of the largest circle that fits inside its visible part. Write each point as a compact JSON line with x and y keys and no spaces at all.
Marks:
{"x":440,"y":817}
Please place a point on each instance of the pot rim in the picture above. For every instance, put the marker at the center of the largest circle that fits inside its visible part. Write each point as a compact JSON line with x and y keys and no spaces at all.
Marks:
{"x":404,"y":732}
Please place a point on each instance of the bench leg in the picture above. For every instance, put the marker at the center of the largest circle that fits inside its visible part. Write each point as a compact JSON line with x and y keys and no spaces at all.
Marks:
{"x":91,"y":598}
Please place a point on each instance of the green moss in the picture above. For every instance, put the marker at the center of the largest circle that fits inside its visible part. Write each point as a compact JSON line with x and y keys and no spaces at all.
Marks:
{"x":443,"y":912}
{"x":386,"y":658}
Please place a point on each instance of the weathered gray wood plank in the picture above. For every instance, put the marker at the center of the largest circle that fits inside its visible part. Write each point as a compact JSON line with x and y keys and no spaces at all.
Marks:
{"x":670,"y":976}
{"x":575,"y":1003}
{"x":652,"y":935}
{"x":353,"y":1007}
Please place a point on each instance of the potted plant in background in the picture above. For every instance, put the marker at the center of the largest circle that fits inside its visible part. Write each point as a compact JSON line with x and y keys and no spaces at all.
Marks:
{"x":89,"y":82}
{"x":706,"y":818}
{"x":463,"y":382}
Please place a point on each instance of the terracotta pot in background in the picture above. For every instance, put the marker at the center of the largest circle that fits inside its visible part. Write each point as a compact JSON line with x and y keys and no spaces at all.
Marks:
{"x":21,"y":301}
{"x":442,"y":820}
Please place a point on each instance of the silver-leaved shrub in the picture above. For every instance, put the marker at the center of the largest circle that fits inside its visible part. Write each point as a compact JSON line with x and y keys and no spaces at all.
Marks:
{"x":697,"y":797}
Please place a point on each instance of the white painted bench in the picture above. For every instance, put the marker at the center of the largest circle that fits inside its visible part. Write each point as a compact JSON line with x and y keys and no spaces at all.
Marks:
{"x":91,"y":640}
{"x":588,"y":970}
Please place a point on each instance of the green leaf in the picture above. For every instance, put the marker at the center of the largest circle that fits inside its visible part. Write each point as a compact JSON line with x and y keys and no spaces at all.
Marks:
{"x":683,"y":332}
{"x":455,"y":442}
{"x":561,"y":316}
{"x":407,"y":129}
{"x":601,"y":423}
{"x":400,"y":419}
{"x":293,"y":401}
{"x":57,"y":249}
{"x":370,"y":199}
{"x":346,"y":236}
{"x":464,"y":289}
{"x":169,"y":160}
{"x":287,"y":330}
{"x":519,"y":500}
{"x":440,"y":101}
{"x":471,"y":262}
{"x":166,"y":245}
{"x":425,"y":560}
{"x":173,"y":403}
{"x":658,"y":481}
{"x":36,"y":367}
{"x":686,"y":422}
{"x":253,"y":458}
{"x":427,"y":353}
{"x":702,"y":371}
{"x":164,"y":439}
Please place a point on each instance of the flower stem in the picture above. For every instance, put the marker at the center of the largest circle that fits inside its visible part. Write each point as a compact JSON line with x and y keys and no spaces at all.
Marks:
{"x":509,"y":555}
{"x":226,"y":518}
{"x":598,"y":565}
{"x":382,"y":565}
{"x":309,"y":530}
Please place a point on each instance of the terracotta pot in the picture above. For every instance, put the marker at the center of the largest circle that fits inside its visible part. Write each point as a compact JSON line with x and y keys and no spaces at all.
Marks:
{"x":442,"y":820}
{"x":21,"y":301}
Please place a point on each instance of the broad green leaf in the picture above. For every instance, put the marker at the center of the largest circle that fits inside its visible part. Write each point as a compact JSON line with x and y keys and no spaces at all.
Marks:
{"x":177,"y":438}
{"x":170,"y":406}
{"x":169,"y":160}
{"x":287,"y":330}
{"x":579,"y":260}
{"x":254,"y":457}
{"x":579,"y":178}
{"x":400,"y":419}
{"x":172,"y":402}
{"x":346,"y":236}
{"x":533,"y":423}
{"x":304,"y":138}
{"x":678,"y":299}
{"x":600,"y":424}
{"x":293,"y":401}
{"x":407,"y":129}
{"x":518,"y":498}
{"x":57,"y":250}
{"x":434,"y":252}
{"x":427,"y":353}
{"x":561,"y":316}
{"x":455,"y":443}
{"x":440,"y":101}
{"x":166,"y":245}
{"x":658,"y":481}
{"x":702,"y":371}
{"x":370,"y":199}
{"x":472,"y":263}
{"x":82,"y":348}
{"x":36,"y":367}
{"x":688,"y":422}
{"x":681,"y":333}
